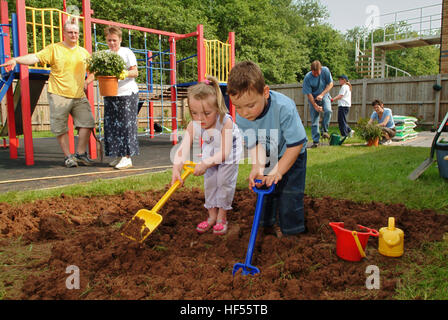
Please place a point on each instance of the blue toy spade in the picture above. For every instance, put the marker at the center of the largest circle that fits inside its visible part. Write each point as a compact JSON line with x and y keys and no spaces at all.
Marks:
{"x":246,"y":266}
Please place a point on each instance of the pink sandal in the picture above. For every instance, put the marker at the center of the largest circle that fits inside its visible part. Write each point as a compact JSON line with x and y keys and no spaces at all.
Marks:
{"x":220,"y":228}
{"x":204,"y":226}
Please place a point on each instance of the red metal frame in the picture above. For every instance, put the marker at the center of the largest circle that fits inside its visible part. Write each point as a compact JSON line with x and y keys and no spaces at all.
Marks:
{"x":25,"y":84}
{"x":173,"y":90}
{"x":88,"y":20}
{"x":232,"y":63}
{"x":201,"y":53}
{"x":87,"y":13}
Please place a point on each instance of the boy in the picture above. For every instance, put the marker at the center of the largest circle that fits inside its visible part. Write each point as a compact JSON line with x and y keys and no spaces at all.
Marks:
{"x":274,"y":134}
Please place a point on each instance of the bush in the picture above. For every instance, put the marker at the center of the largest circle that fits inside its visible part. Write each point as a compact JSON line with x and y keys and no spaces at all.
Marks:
{"x":105,"y":63}
{"x":368,"y":131}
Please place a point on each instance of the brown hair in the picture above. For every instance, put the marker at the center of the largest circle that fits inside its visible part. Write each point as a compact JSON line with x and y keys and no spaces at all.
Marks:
{"x":245,"y":76}
{"x":113,"y":30}
{"x":377,"y":102}
{"x":316,"y":65}
{"x":205,"y":89}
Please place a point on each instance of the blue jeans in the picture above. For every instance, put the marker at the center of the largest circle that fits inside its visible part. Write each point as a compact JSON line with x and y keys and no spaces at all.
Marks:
{"x":287,"y":200}
{"x":315,"y":116}
{"x":344,"y":128}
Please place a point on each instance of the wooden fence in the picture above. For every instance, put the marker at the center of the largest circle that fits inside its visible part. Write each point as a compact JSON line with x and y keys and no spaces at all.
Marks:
{"x":409,"y":96}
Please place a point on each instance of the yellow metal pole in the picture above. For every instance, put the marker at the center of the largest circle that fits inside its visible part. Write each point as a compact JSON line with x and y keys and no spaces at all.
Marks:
{"x":52,"y":27}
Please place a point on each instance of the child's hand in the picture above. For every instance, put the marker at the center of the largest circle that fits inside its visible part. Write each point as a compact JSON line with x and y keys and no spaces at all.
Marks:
{"x":200,"y":169}
{"x":253,"y":176}
{"x":175,"y":177}
{"x":272,"y":178}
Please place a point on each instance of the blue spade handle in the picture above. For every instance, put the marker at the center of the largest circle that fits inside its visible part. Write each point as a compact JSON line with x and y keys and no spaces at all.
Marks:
{"x":246,"y":266}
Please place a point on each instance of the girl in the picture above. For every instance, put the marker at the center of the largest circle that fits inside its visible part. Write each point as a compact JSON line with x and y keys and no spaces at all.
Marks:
{"x":344,"y":103}
{"x":221,"y":151}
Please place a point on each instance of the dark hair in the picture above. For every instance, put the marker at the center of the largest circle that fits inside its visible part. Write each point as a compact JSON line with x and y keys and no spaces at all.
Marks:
{"x":245,"y":76}
{"x":377,"y":102}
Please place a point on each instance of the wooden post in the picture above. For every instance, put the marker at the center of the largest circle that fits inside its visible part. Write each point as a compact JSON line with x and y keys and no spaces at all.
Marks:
{"x":364,"y":98}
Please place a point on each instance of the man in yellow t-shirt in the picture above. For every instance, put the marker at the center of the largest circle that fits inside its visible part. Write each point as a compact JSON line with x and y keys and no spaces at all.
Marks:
{"x":66,"y":91}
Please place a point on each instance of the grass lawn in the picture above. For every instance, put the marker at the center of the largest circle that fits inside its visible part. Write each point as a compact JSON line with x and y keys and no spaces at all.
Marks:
{"x":346,"y":172}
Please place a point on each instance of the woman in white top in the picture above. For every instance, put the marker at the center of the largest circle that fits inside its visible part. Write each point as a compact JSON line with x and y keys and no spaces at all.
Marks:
{"x":120,"y":112}
{"x":344,"y":99}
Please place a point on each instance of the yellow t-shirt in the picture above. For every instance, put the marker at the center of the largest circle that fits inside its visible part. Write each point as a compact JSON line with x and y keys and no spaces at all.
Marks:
{"x":68,"y":69}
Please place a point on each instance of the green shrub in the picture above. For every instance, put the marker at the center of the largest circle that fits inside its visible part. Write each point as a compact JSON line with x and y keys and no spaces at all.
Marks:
{"x":368,"y":131}
{"x":105,"y":63}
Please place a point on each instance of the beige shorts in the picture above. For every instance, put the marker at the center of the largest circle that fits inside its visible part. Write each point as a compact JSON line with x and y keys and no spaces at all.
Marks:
{"x":61,"y":107}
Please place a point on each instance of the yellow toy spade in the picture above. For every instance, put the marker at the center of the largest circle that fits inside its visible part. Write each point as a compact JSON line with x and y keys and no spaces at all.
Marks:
{"x":145,"y":221}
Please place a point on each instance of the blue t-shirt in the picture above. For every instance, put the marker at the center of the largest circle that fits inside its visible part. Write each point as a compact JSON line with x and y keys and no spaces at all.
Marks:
{"x":315,"y":85}
{"x":278,"y":127}
{"x":387,"y":112}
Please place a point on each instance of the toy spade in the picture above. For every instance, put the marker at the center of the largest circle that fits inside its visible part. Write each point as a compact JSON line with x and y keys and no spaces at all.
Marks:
{"x":246,"y":266}
{"x":146,"y":221}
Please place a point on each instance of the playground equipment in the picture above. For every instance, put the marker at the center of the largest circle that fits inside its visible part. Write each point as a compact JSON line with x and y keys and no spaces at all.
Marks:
{"x":159,"y":65}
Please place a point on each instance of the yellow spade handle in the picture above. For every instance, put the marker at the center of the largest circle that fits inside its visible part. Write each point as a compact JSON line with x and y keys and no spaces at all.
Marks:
{"x":358,"y":244}
{"x":189,"y":168}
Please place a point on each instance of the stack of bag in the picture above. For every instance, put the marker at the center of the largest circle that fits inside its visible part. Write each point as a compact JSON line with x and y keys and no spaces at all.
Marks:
{"x":405,"y":128}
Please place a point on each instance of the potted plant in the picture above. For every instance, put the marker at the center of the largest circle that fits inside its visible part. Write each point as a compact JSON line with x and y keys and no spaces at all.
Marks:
{"x":369,"y":132}
{"x":107,"y":67}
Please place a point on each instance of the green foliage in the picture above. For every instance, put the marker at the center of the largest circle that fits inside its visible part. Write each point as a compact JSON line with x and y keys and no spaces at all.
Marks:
{"x":368,"y":131}
{"x":282,"y":36}
{"x":105,"y":63}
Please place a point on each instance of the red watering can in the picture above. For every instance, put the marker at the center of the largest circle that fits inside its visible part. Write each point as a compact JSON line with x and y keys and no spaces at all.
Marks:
{"x":351,"y":245}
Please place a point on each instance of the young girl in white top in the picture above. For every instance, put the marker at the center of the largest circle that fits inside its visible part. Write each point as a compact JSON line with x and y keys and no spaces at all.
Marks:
{"x":344,"y":99}
{"x":221,"y":151}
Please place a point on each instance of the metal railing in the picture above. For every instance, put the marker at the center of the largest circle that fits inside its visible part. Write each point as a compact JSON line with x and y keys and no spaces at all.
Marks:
{"x":218,"y":61}
{"x":420,"y":22}
{"x":45,"y":25}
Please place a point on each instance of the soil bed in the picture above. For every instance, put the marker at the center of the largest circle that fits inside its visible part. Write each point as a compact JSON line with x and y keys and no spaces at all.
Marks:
{"x":175,"y":262}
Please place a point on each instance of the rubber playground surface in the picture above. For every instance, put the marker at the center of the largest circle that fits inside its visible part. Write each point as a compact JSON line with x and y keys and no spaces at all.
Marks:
{"x":49,"y":171}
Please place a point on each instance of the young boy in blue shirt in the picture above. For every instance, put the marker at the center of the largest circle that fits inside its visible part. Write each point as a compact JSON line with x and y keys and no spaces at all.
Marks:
{"x":274,"y":134}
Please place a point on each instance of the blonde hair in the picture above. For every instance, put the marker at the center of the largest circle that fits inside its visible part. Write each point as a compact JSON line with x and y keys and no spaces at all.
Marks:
{"x":209,"y":88}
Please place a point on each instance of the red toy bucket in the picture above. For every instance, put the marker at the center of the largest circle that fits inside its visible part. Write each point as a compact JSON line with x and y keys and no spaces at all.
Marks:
{"x":351,"y":245}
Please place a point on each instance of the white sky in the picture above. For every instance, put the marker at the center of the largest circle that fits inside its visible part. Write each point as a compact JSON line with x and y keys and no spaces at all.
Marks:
{"x":347,"y":14}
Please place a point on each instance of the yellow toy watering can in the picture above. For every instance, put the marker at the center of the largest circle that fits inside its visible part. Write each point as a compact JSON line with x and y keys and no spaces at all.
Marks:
{"x":146,"y":221}
{"x":391,"y":240}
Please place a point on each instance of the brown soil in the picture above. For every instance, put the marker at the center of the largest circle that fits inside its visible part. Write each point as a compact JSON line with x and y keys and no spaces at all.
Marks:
{"x":175,"y":262}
